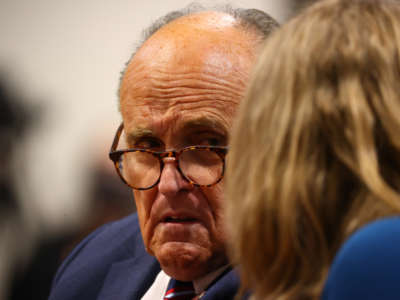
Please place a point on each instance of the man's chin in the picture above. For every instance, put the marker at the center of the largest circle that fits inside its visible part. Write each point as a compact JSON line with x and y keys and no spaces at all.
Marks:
{"x":183,"y":260}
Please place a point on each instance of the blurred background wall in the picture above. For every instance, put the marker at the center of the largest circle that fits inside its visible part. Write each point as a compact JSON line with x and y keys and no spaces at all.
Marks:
{"x":62,"y":60}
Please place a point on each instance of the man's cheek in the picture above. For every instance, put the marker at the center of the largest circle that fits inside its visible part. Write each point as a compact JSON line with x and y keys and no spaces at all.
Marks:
{"x":215,"y":198}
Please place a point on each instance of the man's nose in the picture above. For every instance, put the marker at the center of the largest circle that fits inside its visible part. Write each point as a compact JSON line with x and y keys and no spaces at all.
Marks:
{"x":171,"y":180}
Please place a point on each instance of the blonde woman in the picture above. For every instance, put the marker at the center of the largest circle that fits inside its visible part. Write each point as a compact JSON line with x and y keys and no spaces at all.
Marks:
{"x":314,"y":168}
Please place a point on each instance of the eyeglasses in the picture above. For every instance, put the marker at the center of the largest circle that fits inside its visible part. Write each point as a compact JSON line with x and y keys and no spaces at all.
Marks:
{"x":141,"y":169}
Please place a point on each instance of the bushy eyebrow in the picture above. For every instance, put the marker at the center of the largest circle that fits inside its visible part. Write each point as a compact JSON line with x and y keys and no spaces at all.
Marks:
{"x":137,"y":134}
{"x":204,"y":122}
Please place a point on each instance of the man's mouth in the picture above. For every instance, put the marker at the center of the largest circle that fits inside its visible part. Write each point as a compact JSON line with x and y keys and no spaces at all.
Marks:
{"x":179,"y":220}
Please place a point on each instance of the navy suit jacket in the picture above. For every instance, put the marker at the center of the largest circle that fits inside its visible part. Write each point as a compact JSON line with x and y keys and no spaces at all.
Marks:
{"x":111,"y":263}
{"x":367,"y":265}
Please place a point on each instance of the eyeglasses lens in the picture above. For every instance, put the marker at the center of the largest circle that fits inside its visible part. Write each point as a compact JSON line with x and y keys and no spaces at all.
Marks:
{"x":140,"y":169}
{"x":202,"y":166}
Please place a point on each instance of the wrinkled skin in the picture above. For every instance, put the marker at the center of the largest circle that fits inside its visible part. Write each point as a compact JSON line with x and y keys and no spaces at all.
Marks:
{"x":182,"y":88}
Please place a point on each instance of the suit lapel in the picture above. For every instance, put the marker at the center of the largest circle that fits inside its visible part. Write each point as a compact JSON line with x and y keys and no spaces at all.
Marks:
{"x":224,"y":287}
{"x":130,"y":279}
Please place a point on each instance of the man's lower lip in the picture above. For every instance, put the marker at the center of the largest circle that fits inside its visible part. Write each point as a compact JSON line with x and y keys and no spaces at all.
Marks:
{"x":180,"y":224}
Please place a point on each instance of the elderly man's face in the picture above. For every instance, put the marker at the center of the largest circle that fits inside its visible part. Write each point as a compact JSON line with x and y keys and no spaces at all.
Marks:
{"x":182,"y":88}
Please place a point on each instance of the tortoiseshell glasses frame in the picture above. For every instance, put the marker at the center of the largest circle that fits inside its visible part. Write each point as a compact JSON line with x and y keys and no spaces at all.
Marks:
{"x":116,"y":156}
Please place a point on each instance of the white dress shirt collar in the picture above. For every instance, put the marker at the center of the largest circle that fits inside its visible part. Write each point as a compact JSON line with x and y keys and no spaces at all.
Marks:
{"x":160,"y":284}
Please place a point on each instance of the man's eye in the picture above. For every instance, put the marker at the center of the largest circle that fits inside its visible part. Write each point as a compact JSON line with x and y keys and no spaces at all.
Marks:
{"x":152,"y":144}
{"x":210,"y":141}
{"x":213,"y":142}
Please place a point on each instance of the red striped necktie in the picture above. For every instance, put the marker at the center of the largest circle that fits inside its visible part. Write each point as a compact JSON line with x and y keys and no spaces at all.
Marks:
{"x":179,"y":290}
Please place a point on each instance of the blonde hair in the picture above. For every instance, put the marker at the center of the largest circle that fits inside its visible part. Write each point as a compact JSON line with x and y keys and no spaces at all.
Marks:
{"x":315,"y":151}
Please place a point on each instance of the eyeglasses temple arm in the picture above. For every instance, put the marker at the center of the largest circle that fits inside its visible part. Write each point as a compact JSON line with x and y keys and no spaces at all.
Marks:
{"x":116,"y":138}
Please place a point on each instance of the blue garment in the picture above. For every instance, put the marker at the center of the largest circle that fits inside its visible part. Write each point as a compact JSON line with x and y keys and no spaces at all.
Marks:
{"x":367,"y":265}
{"x":111,"y":263}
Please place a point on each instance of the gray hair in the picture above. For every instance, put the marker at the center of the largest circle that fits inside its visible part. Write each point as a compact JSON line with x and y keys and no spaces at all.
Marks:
{"x":248,"y":19}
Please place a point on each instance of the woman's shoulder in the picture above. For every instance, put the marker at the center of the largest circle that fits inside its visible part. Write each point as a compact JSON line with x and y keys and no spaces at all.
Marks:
{"x":368,"y":263}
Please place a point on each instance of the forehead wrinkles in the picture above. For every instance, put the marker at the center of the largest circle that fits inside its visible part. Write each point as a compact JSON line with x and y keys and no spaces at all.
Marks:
{"x":161,"y":115}
{"x":187,"y":91}
{"x":163,"y":88}
{"x":165,"y":102}
{"x":214,"y":69}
